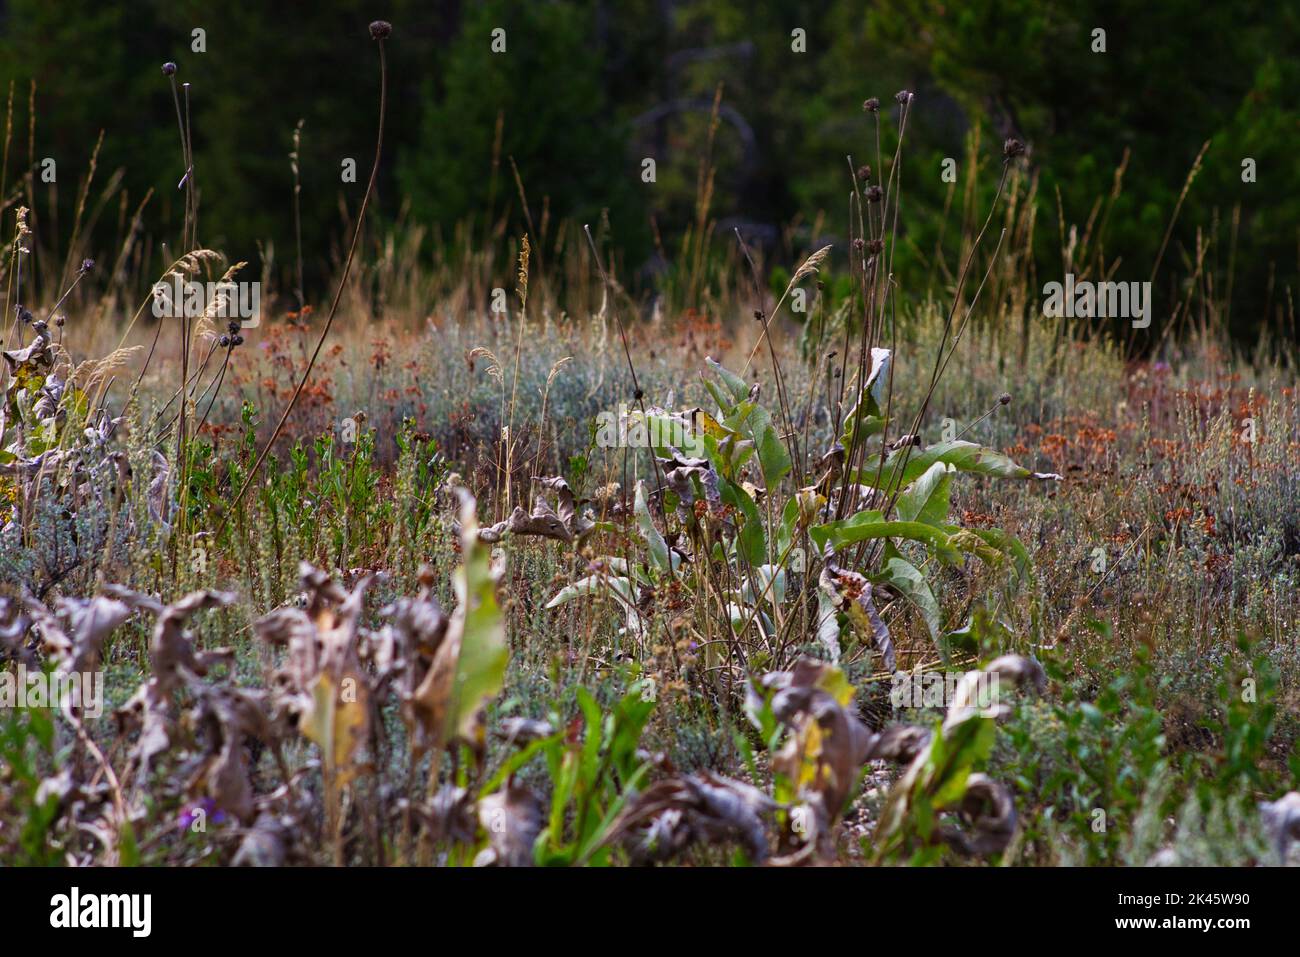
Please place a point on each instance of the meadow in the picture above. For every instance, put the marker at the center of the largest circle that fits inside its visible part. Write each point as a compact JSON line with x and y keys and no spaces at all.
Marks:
{"x":368,"y":583}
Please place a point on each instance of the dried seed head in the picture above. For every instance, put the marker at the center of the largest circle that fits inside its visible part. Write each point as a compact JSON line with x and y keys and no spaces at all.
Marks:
{"x":1004,"y":398}
{"x":380,"y":30}
{"x":864,"y":173}
{"x":758,"y":315}
{"x":859,"y":245}
{"x":169,"y":68}
{"x":60,"y":319}
{"x":875,"y":194}
{"x":903,"y":97}
{"x":87,"y":265}
{"x":24,"y":314}
{"x":875,"y":246}
{"x":1012,"y":148}
{"x":872,"y":105}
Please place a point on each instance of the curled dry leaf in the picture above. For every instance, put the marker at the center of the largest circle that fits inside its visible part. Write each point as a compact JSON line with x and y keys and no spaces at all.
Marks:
{"x":27,"y":366}
{"x":940,"y":773}
{"x":469,"y":664}
{"x":264,"y":843}
{"x":224,"y":717}
{"x":1282,"y":821}
{"x":279,"y":831}
{"x":967,"y":697}
{"x":400,"y":652}
{"x":675,"y":813}
{"x":851,"y":593}
{"x":681,"y":473}
{"x":899,"y":743}
{"x":517,"y":730}
{"x":74,"y":637}
{"x":148,"y":711}
{"x":322,"y":689}
{"x":160,"y":505}
{"x":449,"y":815}
{"x":824,"y":749}
{"x":542,"y":521}
{"x":172,"y":648}
{"x":561,"y":522}
{"x":14,"y":625}
{"x":221,"y":716}
{"x":990,"y":815}
{"x":512,"y":817}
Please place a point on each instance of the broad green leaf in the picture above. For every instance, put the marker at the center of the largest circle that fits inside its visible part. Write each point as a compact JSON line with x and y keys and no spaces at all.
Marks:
{"x":772,"y":454}
{"x":828,"y":625}
{"x":481,"y":664}
{"x":728,"y":454}
{"x":734,"y":383}
{"x":964,"y":456}
{"x":866,"y":418}
{"x":654,"y":541}
{"x":744,"y":415}
{"x":789,"y":521}
{"x":722,"y":401}
{"x":617,"y":585}
{"x":927,"y":499}
{"x":771,"y":585}
{"x":1010,"y":546}
{"x":912,"y":585}
{"x":751,"y":538}
{"x":869,"y":525}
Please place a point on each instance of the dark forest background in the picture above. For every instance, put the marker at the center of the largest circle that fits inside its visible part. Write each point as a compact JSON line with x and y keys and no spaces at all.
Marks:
{"x":589,"y":88}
